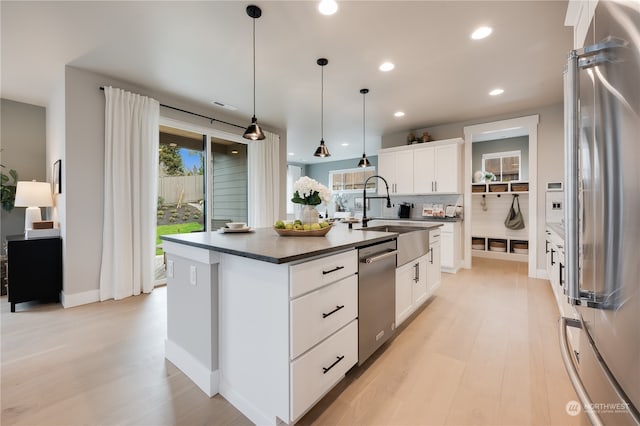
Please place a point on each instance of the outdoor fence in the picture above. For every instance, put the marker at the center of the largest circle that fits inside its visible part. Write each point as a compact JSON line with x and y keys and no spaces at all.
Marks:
{"x":170,"y":188}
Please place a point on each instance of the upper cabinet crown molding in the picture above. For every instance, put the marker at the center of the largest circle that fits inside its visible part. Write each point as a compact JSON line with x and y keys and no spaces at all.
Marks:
{"x":421,"y":145}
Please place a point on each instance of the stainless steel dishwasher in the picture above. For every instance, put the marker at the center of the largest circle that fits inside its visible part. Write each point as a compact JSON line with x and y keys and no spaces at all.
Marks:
{"x":376,"y":296}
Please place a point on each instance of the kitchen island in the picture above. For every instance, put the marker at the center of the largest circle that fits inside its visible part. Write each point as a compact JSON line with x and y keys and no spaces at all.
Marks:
{"x":269,"y":322}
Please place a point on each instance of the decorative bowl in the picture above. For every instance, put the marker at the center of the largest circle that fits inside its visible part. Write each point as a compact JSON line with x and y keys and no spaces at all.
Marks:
{"x":236,"y":225}
{"x":301,"y":233}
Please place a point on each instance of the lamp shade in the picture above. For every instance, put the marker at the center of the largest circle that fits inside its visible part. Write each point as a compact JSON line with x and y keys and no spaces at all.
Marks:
{"x":33,"y":194}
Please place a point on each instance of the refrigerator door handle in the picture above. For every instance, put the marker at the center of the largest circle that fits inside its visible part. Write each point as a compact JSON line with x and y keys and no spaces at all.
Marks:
{"x":581,"y":392}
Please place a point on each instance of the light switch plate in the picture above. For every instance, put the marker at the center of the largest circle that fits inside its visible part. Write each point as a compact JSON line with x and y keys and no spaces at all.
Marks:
{"x":192,"y":275}
{"x":170,"y":268}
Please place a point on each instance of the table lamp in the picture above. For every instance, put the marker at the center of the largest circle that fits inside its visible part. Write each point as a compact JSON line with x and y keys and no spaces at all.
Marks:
{"x":33,"y":195}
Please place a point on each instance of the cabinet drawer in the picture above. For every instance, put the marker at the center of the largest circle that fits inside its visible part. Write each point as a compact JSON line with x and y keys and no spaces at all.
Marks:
{"x":319,"y":314}
{"x":308,"y":276}
{"x":320,"y":369}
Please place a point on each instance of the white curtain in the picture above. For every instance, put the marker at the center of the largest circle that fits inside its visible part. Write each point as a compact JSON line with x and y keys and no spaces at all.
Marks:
{"x":130,"y":194}
{"x":264,"y":181}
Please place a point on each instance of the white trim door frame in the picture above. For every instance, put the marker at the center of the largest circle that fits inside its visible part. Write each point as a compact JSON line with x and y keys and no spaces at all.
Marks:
{"x":529,"y":124}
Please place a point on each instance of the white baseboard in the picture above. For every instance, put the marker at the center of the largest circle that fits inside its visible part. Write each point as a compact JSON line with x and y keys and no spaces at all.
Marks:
{"x":542,"y":274}
{"x":205,"y":379}
{"x":245,"y":407}
{"x":77,"y":299}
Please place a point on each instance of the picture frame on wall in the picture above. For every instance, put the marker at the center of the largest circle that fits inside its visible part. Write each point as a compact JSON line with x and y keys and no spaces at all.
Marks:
{"x":57,"y":177}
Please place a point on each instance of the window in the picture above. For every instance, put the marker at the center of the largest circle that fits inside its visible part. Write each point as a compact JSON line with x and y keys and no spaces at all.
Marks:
{"x":506,"y":166}
{"x":352,"y":180}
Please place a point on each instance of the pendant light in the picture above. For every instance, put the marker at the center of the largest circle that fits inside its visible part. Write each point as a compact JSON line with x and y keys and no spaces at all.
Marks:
{"x":254,"y":132}
{"x":364,"y":162}
{"x":322,"y":150}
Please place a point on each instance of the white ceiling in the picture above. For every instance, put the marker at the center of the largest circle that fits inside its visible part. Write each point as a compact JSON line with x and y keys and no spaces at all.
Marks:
{"x":201,"y":51}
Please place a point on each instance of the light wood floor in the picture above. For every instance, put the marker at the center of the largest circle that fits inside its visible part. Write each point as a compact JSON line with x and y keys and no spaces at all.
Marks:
{"x":484,"y":351}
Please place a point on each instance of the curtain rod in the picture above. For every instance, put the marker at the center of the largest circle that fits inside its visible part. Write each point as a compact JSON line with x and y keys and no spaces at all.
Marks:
{"x":196,"y":114}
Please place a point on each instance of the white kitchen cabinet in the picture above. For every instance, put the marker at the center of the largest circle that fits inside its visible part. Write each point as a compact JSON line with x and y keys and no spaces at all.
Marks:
{"x":411,"y":287}
{"x":436,"y":169}
{"x":397,"y":168}
{"x":434,"y":276}
{"x":450,"y":246}
{"x":428,"y":168}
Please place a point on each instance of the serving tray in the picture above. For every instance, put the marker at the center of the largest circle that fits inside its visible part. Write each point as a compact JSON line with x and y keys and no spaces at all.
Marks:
{"x":301,"y":233}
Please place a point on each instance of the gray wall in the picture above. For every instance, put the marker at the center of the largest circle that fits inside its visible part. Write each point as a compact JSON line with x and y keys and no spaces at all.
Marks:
{"x":76,"y":129}
{"x":320,"y":171}
{"x":550,"y":152}
{"x":22,"y":139}
{"x":520,"y":143}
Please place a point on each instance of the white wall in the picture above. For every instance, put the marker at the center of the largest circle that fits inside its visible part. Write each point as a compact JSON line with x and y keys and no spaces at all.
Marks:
{"x":550,"y":152}
{"x":22,"y":139}
{"x":81,"y":141}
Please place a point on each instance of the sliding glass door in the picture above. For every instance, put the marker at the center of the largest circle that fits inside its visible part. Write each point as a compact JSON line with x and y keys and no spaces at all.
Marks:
{"x":181,"y":187}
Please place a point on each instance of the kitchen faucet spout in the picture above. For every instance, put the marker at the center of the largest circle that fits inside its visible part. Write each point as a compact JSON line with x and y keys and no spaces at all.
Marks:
{"x":364,"y":198}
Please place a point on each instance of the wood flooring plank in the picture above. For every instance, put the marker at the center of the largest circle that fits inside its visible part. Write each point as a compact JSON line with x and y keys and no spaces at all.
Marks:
{"x":483,"y":351}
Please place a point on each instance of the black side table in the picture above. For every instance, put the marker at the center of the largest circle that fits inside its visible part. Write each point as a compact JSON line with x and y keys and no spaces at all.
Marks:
{"x":34,"y":269}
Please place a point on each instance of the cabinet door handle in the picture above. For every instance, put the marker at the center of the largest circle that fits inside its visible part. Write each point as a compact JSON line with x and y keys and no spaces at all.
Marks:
{"x":560,"y":278}
{"x":436,"y":183}
{"x":326,"y":369}
{"x":432,"y":190}
{"x":546,"y":247}
{"x":417,"y":275}
{"x":552,"y":262}
{"x":338,"y":307}
{"x":337,"y":268}
{"x":431,"y":253}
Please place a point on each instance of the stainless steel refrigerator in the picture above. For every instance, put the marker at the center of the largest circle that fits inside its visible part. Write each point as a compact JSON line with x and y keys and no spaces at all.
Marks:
{"x":602,"y":215}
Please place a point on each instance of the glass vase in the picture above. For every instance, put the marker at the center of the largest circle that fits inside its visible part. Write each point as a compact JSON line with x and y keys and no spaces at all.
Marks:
{"x":309,"y":215}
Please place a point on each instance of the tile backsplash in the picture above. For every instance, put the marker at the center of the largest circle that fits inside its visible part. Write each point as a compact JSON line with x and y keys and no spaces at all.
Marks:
{"x":352,"y":203}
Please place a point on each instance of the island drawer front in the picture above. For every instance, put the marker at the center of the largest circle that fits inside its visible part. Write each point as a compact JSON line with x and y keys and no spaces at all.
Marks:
{"x":308,"y":276}
{"x":317,"y":315}
{"x":317,"y":371}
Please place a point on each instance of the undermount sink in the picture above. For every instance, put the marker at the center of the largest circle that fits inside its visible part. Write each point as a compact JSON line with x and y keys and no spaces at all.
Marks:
{"x":393,"y":228}
{"x":412,"y":243}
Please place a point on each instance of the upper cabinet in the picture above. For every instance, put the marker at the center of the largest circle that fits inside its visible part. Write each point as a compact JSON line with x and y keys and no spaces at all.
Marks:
{"x":397,"y":168}
{"x":429,"y":168}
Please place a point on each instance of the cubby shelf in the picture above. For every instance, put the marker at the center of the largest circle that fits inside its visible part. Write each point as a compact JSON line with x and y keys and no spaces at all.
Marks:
{"x":500,"y":247}
{"x":500,"y":188}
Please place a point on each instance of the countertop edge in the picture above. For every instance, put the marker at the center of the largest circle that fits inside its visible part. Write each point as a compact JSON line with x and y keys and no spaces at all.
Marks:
{"x":287,"y":259}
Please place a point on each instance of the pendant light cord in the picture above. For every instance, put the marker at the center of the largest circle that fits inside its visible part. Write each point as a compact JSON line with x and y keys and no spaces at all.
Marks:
{"x":254,"y":67}
{"x":363,"y":124}
{"x":322,"y":103}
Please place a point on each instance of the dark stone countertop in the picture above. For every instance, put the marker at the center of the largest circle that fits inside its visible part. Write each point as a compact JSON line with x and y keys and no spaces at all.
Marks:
{"x":266,"y":245}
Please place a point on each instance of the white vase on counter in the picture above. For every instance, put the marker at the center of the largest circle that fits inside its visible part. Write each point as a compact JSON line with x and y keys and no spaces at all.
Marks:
{"x":309,"y":215}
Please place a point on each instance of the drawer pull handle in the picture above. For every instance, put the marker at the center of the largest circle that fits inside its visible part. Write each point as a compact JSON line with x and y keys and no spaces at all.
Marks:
{"x":326,"y":369}
{"x":337,"y":268}
{"x":338,"y":307}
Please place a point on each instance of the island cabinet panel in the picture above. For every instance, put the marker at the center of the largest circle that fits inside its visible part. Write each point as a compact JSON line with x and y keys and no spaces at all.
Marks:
{"x":318,"y":370}
{"x":317,"y":315}
{"x":308,"y":276}
{"x":280,"y":326}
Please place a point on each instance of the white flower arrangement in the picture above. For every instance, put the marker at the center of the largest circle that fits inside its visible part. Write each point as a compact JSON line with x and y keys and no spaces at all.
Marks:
{"x":310,"y":192}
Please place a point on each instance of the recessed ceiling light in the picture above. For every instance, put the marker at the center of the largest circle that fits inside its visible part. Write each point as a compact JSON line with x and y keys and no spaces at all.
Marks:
{"x":386,"y":66}
{"x":496,"y":92}
{"x":292,"y":154}
{"x":328,"y":7}
{"x":398,"y":114}
{"x":481,"y":33}
{"x":223,"y":105}
{"x":344,"y":144}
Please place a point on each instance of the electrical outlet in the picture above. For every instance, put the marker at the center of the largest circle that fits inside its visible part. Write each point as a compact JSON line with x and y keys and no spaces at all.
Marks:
{"x":192,"y":275}
{"x":170,"y":268}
